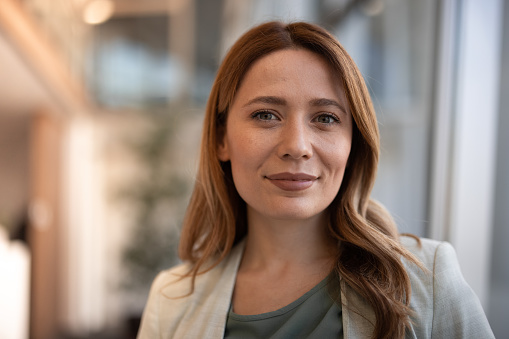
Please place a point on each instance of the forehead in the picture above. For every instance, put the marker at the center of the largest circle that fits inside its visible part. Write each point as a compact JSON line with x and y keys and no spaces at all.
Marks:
{"x":291,"y":71}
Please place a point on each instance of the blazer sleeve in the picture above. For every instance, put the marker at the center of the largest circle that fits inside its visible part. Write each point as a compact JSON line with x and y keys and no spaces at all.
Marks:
{"x":457,"y":312}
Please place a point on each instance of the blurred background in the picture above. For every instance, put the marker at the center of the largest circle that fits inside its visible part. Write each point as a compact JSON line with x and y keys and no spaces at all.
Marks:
{"x":101,"y":105}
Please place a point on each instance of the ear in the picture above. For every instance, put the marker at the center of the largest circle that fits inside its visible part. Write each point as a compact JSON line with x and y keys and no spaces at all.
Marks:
{"x":223,"y":152}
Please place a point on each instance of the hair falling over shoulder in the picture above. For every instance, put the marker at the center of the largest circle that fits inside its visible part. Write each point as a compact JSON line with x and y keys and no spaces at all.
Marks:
{"x":369,"y":256}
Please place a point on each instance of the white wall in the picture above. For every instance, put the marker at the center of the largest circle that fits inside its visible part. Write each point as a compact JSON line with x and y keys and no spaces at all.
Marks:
{"x":82,"y":237}
{"x":14,"y":288}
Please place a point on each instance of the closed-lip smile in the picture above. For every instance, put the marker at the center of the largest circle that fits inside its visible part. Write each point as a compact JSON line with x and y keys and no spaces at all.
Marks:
{"x":292,"y":181}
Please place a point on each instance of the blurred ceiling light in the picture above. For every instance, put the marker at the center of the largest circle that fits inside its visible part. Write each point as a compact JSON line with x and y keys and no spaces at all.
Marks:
{"x":373,"y":7}
{"x":98,"y":11}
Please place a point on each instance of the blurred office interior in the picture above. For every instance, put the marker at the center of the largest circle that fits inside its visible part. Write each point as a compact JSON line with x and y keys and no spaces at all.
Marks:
{"x":101,"y":104}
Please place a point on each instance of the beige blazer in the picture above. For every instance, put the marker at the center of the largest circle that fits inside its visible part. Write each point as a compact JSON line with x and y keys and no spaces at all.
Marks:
{"x":444,"y":305}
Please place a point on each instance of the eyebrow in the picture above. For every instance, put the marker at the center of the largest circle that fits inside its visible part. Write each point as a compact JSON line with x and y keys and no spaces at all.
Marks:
{"x":319,"y":102}
{"x":267,"y":100}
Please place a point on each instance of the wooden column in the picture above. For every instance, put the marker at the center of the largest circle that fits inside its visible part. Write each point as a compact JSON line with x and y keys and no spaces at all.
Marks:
{"x":44,"y":224}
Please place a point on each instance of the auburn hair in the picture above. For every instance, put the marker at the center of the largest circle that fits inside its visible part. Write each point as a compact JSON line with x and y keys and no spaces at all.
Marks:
{"x":368,"y":252}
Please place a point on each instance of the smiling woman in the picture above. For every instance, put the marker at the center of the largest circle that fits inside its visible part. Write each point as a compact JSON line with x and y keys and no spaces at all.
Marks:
{"x":281,"y":238}
{"x":286,"y":138}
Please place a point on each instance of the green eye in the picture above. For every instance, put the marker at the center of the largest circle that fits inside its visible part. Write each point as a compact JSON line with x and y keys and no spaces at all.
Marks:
{"x":264,"y":115}
{"x":327,"y":119}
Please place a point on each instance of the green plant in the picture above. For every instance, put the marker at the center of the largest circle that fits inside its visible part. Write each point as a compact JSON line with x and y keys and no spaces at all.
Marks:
{"x":158,"y":198}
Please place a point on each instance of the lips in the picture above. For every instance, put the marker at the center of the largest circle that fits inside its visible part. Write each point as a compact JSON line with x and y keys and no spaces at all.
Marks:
{"x":292,"y":181}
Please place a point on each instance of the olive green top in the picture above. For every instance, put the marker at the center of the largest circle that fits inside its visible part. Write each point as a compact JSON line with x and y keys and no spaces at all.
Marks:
{"x":314,"y":315}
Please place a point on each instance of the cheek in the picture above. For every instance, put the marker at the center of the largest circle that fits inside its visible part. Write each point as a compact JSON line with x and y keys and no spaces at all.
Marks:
{"x":247,"y":147}
{"x":244,"y":173}
{"x":336,"y":153}
{"x":336,"y":161}
{"x":243,"y":156}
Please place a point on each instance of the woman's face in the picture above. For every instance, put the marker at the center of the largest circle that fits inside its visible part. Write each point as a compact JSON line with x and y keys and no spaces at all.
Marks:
{"x":288,"y":136}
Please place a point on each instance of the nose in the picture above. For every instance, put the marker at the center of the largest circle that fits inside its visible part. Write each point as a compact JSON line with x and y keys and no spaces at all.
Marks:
{"x":295,"y":141}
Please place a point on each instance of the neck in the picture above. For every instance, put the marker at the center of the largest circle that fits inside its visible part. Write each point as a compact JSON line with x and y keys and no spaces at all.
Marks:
{"x":282,"y":245}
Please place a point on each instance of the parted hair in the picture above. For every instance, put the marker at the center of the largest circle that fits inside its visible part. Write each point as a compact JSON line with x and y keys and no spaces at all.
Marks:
{"x":369,"y":255}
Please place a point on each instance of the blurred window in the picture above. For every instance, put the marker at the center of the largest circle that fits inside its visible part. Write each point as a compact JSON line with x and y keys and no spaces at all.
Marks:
{"x":393,"y":43}
{"x":131,"y":63}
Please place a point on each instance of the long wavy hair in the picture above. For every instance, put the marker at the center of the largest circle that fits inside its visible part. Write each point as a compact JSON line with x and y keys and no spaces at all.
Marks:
{"x":368,"y":252}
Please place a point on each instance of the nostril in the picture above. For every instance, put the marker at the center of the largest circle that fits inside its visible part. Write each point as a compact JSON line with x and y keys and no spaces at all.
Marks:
{"x":297,"y":155}
{"x":295,"y":142}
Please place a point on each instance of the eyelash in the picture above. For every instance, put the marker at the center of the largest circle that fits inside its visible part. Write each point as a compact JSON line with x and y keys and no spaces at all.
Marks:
{"x":257,"y":115}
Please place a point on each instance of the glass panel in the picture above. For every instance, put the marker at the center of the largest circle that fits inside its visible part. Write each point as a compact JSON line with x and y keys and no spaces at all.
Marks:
{"x":131,"y":64}
{"x":392,"y":42}
{"x":499,"y":289}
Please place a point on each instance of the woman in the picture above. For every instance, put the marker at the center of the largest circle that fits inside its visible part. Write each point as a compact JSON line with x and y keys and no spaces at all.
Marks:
{"x":281,"y":238}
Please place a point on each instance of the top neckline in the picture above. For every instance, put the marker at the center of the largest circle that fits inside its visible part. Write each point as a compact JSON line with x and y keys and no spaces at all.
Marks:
{"x":285,"y":309}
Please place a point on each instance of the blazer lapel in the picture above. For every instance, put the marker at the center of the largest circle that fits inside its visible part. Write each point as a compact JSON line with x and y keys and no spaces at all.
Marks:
{"x":358,"y":316}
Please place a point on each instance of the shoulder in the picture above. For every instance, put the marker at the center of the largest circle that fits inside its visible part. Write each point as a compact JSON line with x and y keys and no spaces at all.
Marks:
{"x":441,"y":269}
{"x":174,"y":277}
{"x":426,"y":249}
{"x":438,"y":257}
{"x":176,"y":308}
{"x":440,"y":260}
{"x":170,"y":287}
{"x":443,"y":302}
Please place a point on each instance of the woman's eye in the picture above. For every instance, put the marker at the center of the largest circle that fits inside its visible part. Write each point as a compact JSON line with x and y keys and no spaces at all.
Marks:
{"x":326,"y":119}
{"x":264,"y":115}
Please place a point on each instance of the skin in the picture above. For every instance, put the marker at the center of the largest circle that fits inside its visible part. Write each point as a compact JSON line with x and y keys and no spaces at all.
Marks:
{"x":288,"y":137}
